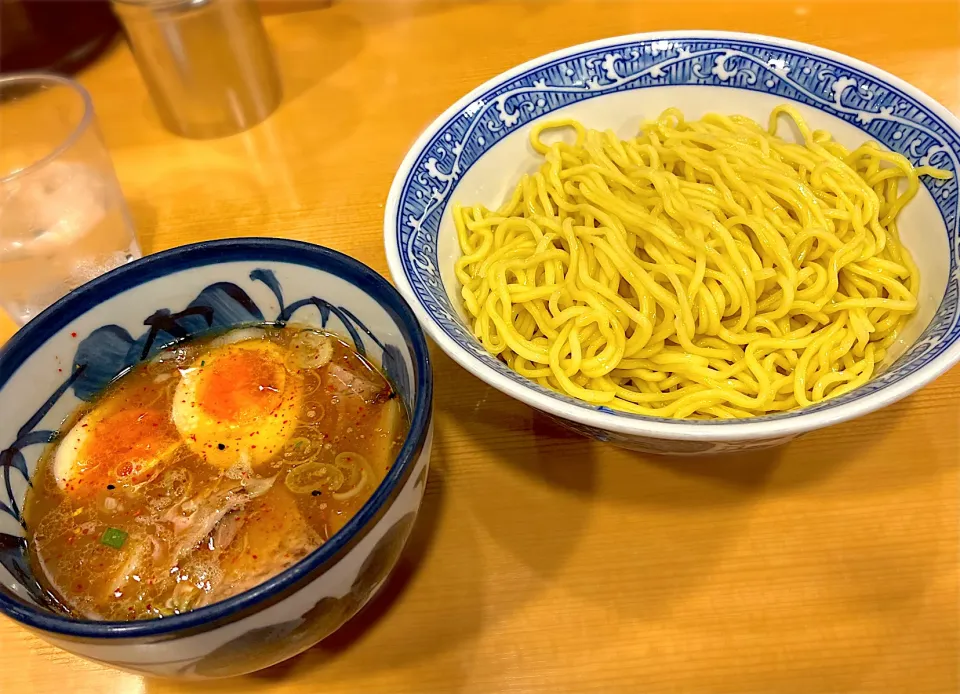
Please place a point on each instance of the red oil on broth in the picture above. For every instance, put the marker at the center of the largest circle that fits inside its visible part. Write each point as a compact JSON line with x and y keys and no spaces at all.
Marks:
{"x":208,"y":470}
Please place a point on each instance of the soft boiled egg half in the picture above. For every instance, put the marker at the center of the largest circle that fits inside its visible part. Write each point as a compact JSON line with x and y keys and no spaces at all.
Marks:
{"x":114,"y":446}
{"x":237,"y":404}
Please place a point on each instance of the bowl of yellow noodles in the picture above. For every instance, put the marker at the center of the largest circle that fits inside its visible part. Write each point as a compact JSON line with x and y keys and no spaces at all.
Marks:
{"x":687,"y":242}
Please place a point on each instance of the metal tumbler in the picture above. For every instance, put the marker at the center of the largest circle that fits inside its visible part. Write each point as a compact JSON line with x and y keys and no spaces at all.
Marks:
{"x":207,"y":63}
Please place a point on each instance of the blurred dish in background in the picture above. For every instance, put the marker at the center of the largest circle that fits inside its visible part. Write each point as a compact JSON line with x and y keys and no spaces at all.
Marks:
{"x":58,"y":35}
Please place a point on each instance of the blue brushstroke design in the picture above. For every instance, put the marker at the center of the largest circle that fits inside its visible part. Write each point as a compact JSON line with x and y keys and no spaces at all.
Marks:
{"x":269,"y":279}
{"x":326,"y":309}
{"x":104,"y":354}
{"x":13,"y":557}
{"x":110,"y":350}
{"x":396,"y":371}
{"x":12,"y":458}
{"x":163,"y":323}
{"x":392,"y":362}
{"x":229,"y":306}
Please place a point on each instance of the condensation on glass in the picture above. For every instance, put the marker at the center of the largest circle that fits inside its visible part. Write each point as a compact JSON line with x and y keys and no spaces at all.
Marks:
{"x":207,"y":63}
{"x":63,"y":218}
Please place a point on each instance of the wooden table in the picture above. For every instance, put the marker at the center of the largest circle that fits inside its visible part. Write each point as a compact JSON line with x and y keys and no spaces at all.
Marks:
{"x":543,"y":562}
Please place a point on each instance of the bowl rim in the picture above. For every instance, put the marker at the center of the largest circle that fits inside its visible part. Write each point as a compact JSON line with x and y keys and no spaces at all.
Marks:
{"x":658,"y":428}
{"x":198,"y":255}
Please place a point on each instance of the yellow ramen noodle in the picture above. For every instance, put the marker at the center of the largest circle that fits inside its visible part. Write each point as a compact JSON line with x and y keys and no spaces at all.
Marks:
{"x":704,"y":269}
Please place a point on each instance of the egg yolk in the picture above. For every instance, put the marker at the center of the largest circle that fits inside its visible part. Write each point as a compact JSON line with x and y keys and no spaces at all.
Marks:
{"x":122,"y":447}
{"x":237,"y":404}
{"x":241,"y":386}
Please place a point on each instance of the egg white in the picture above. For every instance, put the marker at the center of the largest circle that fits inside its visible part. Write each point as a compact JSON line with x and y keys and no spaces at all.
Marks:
{"x":78,"y":467}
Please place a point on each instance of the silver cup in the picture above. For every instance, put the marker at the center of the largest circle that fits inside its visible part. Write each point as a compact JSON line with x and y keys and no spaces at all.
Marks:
{"x":207,"y":63}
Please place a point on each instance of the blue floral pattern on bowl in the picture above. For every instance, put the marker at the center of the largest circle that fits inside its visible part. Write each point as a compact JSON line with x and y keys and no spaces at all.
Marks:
{"x":239,"y":282}
{"x":884,"y":110}
{"x":110,"y":351}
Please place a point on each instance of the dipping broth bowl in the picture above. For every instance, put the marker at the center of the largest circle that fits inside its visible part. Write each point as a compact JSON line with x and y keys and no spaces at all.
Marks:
{"x":478,"y":149}
{"x":77,"y":346}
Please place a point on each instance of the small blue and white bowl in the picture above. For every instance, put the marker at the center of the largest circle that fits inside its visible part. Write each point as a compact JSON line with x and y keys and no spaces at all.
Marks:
{"x":478,"y":149}
{"x":74,"y":348}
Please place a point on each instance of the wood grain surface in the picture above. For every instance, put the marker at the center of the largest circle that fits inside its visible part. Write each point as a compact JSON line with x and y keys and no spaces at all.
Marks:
{"x":543,"y":562}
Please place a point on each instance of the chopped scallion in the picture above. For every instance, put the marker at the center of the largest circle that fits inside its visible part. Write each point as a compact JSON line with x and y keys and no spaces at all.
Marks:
{"x":113,"y":537}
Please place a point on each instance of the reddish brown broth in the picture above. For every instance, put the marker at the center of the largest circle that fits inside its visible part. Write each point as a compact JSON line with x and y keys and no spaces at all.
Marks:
{"x":182,"y":533}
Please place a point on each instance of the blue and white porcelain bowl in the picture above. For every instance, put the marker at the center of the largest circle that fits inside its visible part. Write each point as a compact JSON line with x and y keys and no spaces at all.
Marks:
{"x":75,"y":347}
{"x":478,"y":149}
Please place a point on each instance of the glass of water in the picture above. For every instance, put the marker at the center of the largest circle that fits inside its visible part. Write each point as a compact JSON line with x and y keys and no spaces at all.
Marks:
{"x":63,"y":219}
